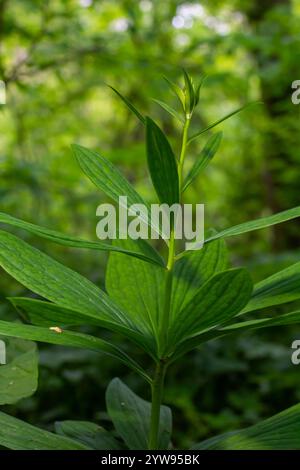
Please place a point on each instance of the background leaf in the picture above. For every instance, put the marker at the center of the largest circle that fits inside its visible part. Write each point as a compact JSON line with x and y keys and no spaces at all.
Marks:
{"x":19,"y":376}
{"x":17,"y":435}
{"x":131,"y":417}
{"x":89,"y":434}
{"x":281,"y":432}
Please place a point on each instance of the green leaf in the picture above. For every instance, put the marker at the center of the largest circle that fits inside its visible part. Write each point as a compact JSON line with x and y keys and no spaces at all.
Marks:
{"x":211,"y":126}
{"x":146,"y":252}
{"x":190,"y":99}
{"x":162,"y":164}
{"x":131,"y":417}
{"x":106,"y":177}
{"x":218,"y":300}
{"x":137,"y":287}
{"x":17,"y":435}
{"x":257,"y":224}
{"x":87,"y":433}
{"x":193,"y":270}
{"x":241,"y":327}
{"x":281,"y":287}
{"x":170,"y":110}
{"x":47,"y":314}
{"x":19,"y":376}
{"x":50,"y":279}
{"x":207,"y":153}
{"x":280,"y":432}
{"x":177,"y":91}
{"x":129,"y":105}
{"x":71,"y":339}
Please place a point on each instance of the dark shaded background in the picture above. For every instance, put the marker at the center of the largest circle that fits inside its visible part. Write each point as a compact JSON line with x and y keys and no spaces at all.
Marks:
{"x":56,"y":58}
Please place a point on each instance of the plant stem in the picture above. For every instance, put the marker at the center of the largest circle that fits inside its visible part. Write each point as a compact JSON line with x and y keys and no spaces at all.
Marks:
{"x":159,"y":377}
{"x":157,"y":392}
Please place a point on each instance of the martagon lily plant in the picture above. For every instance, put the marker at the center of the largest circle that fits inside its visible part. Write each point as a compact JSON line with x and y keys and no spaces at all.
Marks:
{"x":166,"y":307}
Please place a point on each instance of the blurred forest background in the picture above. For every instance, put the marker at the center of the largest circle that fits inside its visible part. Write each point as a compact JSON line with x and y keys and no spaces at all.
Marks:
{"x":56,"y":59}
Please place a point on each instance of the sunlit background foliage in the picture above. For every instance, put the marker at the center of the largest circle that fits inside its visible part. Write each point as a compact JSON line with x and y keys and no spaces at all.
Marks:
{"x":57,"y":58}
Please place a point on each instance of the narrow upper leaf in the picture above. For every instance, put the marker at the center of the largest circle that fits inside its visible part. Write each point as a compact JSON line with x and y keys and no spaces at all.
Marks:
{"x":214,"y":124}
{"x":129,"y":105}
{"x":162,"y":164}
{"x":108,"y":178}
{"x":170,"y":110}
{"x":281,"y":432}
{"x":131,"y":417}
{"x":257,"y":224}
{"x":207,"y":153}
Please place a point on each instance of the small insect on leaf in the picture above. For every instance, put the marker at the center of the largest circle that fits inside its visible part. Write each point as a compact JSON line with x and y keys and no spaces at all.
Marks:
{"x":57,"y":329}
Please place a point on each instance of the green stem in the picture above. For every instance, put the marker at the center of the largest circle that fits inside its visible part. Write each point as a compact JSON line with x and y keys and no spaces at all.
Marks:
{"x":159,"y":377}
{"x":157,"y":393}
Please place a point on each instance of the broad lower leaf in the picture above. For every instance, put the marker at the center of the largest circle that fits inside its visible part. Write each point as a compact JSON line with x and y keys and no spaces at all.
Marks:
{"x":137,"y":287}
{"x":281,"y":432}
{"x":162,"y":164}
{"x":131,"y":417}
{"x":107,"y":177}
{"x":277,"y":289}
{"x":61,"y":285}
{"x":292,"y":318}
{"x":47,"y":314}
{"x":17,"y":435}
{"x":170,"y":110}
{"x":214,"y":124}
{"x":257,"y":224}
{"x":89,"y":434}
{"x":129,"y":105}
{"x":146,"y":252}
{"x":207,"y":153}
{"x":193,"y":270}
{"x":68,"y":338}
{"x":19,"y":376}
{"x":217,"y":301}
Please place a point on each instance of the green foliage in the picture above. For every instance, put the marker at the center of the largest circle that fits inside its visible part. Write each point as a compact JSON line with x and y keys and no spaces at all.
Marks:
{"x":165,"y":308}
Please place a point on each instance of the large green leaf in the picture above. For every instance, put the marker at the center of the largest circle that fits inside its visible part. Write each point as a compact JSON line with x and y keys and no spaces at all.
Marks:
{"x":68,"y":338}
{"x":89,"y":434}
{"x":257,"y":224}
{"x":281,"y":432}
{"x":240,"y":327}
{"x":17,"y":435}
{"x":41,"y":313}
{"x":281,"y":287}
{"x":162,"y":164}
{"x":61,"y":285}
{"x":19,"y":376}
{"x":207,"y":153}
{"x":146,"y":252}
{"x":193,"y":270}
{"x":218,"y":300}
{"x":108,"y":178}
{"x":131,"y":417}
{"x":137,"y":287}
